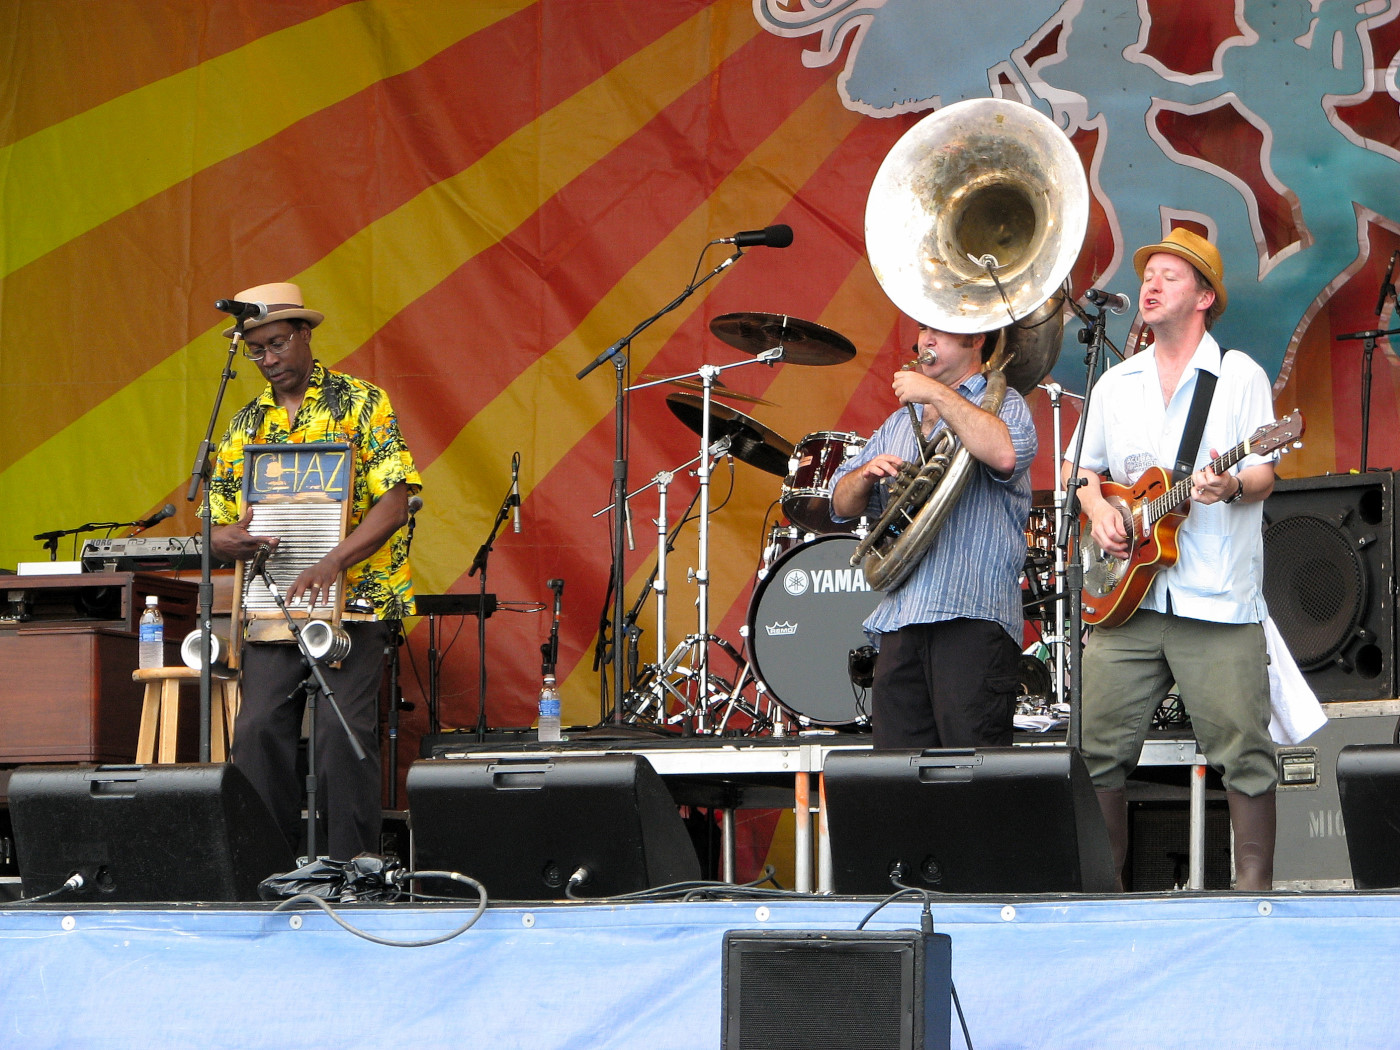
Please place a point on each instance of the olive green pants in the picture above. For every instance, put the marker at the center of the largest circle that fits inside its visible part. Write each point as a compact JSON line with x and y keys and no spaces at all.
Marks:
{"x":1221,"y":673}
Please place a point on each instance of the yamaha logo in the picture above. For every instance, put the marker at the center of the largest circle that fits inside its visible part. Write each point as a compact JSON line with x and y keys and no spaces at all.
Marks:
{"x":824,"y":581}
{"x":795,"y":581}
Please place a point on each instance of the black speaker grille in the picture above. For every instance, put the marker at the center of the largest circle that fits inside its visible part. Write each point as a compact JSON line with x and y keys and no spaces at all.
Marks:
{"x":824,"y":998}
{"x":1315,"y":586}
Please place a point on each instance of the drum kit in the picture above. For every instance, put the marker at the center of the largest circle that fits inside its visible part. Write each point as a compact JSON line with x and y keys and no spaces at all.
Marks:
{"x":972,"y":225}
{"x":784,"y":680}
{"x":800,"y":680}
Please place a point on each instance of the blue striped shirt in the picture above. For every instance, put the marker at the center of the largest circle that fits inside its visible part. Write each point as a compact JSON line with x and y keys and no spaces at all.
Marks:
{"x":973,"y":568}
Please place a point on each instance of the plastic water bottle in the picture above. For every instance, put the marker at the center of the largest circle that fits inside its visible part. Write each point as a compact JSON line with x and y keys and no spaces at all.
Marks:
{"x":151,"y":650}
{"x":549,"y":711}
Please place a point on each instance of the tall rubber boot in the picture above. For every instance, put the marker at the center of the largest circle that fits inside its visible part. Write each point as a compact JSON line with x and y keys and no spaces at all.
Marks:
{"x":1255,"y":823}
{"x":1114,"y":805}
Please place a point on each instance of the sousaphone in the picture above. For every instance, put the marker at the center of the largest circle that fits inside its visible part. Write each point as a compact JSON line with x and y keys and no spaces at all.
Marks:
{"x":973,"y":222}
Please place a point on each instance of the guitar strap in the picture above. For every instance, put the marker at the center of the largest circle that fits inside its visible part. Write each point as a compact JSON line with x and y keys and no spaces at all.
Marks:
{"x":1195,"y":423}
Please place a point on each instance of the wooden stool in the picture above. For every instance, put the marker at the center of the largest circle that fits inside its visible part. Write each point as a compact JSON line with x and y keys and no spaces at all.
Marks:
{"x":160,"y":711}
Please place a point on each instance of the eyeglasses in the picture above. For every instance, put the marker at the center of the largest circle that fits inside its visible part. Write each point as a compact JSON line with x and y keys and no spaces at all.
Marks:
{"x":276,"y":347}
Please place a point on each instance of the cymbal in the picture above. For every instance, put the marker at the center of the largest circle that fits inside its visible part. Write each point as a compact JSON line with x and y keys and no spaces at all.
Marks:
{"x":717,"y":390}
{"x":750,"y":440}
{"x":803,"y":342}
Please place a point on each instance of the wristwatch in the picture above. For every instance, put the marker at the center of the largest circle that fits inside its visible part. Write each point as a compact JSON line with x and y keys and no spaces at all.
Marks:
{"x":1239,"y":492}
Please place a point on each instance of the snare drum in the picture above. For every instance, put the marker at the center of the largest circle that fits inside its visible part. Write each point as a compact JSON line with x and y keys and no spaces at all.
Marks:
{"x":804,"y":619}
{"x":811,"y":474}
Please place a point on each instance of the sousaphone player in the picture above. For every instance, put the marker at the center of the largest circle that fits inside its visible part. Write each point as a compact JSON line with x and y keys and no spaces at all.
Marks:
{"x":973,"y":222}
{"x":949,"y":663}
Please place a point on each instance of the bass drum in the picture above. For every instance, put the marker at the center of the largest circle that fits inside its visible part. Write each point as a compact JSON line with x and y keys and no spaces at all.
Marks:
{"x":804,"y":619}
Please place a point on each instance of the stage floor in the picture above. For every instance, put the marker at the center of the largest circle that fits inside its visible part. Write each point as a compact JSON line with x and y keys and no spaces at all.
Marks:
{"x":1185,"y":970}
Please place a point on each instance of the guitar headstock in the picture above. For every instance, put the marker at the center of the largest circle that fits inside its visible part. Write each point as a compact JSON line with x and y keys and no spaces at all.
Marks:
{"x":1285,"y":433}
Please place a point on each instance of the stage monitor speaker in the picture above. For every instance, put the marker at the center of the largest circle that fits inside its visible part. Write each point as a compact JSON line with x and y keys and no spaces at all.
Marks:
{"x":993,"y":820}
{"x":857,"y":990}
{"x":1329,"y":559}
{"x":144,"y":833}
{"x":523,"y":827}
{"x":1368,"y":783}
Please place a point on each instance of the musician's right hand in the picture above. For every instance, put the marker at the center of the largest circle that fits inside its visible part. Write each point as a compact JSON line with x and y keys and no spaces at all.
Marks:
{"x":852,"y":492}
{"x":1106,"y":526}
{"x":235,"y":543}
{"x":882,"y":466}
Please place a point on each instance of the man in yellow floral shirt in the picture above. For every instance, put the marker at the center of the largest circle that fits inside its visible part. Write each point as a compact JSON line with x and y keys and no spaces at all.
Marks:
{"x":306,"y":402}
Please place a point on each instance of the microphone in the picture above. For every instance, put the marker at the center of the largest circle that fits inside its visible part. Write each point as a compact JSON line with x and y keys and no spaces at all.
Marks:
{"x":167,"y":511}
{"x":1388,"y":285}
{"x":259,"y":563}
{"x":1117,"y":302}
{"x":779,"y":236}
{"x":515,"y":489}
{"x":557,"y":586}
{"x":415,"y":504}
{"x":242,"y":311}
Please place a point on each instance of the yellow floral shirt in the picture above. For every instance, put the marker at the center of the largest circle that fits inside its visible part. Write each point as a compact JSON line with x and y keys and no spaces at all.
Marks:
{"x":336,"y":407}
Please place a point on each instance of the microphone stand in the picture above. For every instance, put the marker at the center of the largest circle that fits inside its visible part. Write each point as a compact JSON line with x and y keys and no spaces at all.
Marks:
{"x":396,"y":703}
{"x":1387,"y":292}
{"x":1068,"y":539}
{"x":51,"y":538}
{"x":619,"y":480}
{"x":314,"y":683}
{"x":199,"y":481}
{"x":483,"y":555}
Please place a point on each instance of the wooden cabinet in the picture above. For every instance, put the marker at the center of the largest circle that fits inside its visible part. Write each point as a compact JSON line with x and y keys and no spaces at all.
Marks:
{"x":66,"y":693}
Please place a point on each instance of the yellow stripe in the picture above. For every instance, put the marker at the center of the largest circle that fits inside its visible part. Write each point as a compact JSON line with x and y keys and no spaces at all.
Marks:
{"x":761,"y":186}
{"x":63,"y":181}
{"x":425,"y":239}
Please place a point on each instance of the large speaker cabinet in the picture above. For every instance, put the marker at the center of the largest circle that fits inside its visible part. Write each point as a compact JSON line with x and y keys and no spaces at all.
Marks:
{"x":525,"y":827}
{"x":144,"y":833}
{"x":1368,"y":779}
{"x":1329,"y":562}
{"x":993,"y":820}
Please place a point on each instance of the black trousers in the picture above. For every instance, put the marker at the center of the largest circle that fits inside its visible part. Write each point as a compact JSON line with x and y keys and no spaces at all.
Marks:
{"x":268,"y":732}
{"x":947,"y":684}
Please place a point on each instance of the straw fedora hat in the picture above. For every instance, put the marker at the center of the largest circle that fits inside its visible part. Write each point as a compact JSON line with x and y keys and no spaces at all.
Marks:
{"x":283,"y":302}
{"x":1196,"y":250}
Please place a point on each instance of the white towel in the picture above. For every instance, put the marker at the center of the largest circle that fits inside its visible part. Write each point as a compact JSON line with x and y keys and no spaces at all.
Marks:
{"x":1297,"y":714}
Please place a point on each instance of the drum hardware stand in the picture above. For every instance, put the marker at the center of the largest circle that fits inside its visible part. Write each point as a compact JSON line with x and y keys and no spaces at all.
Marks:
{"x":700,"y":641}
{"x":655,"y":686}
{"x":315,"y":684}
{"x":616,"y":354}
{"x":483,"y":556}
{"x":1058,"y":640}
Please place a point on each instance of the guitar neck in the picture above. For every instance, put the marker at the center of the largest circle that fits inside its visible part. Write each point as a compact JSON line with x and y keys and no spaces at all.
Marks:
{"x":1181,"y":491}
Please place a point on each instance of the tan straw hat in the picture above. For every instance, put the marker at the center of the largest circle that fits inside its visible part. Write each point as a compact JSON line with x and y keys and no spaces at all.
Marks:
{"x":283,"y":302}
{"x":1196,"y":250}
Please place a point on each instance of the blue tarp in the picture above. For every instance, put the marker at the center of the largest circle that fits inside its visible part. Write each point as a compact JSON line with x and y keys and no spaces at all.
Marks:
{"x":1181,"y":971}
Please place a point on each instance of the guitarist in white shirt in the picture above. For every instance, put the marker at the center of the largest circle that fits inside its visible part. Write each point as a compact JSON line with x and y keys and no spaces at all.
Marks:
{"x":1199,"y":624}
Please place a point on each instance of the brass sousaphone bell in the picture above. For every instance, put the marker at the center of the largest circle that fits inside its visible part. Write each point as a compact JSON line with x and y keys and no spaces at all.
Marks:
{"x":973,"y":222}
